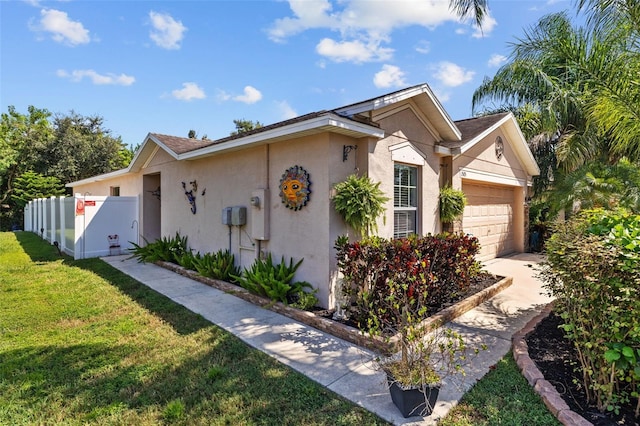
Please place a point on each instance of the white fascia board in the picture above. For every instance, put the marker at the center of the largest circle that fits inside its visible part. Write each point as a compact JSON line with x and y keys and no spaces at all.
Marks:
{"x":383,"y":101}
{"x":519,"y":143}
{"x":98,"y":178}
{"x":161,"y":145}
{"x":482,"y":176}
{"x":317,"y":123}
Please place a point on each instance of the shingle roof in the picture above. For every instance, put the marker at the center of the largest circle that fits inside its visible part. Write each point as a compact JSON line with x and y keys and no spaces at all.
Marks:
{"x":181,"y":145}
{"x":472,"y":127}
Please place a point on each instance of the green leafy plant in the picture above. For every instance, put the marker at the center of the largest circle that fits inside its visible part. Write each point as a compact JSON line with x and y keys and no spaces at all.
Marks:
{"x":219,"y":265}
{"x":592,"y":271}
{"x":452,"y":203}
{"x":305,"y":298}
{"x":360,"y":202}
{"x":391,"y":285}
{"x":425,"y":354}
{"x":272,"y":280}
{"x":164,"y":249}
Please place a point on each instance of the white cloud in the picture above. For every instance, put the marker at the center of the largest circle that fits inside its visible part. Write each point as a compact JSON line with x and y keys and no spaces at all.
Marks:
{"x":251,"y":95}
{"x":352,"y":51}
{"x":363,"y":25}
{"x":286,"y":112}
{"x":423,"y":47}
{"x":496,"y":60}
{"x":389,"y":76}
{"x":98,"y":79}
{"x":189,"y":92}
{"x":62,"y":29}
{"x":452,"y":75}
{"x":167,"y":32}
{"x":488,"y":24}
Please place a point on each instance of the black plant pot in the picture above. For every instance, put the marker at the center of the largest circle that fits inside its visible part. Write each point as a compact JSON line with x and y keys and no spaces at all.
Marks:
{"x":413,"y":401}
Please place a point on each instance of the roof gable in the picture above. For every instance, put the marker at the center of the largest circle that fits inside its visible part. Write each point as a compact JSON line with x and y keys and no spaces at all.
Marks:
{"x":476,"y":129}
{"x":422,"y":96}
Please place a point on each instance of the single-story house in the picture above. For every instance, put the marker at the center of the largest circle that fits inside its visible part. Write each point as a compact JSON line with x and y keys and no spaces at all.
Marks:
{"x":236,"y":192}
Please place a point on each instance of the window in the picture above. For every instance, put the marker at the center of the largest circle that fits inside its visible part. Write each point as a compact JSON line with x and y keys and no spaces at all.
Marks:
{"x":405,"y":200}
{"x":114,"y":191}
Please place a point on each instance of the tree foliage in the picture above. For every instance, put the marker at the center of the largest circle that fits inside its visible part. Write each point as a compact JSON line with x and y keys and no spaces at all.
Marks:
{"x":30,"y":185}
{"x":65,"y":147}
{"x":243,"y":126}
{"x":577,"y":90}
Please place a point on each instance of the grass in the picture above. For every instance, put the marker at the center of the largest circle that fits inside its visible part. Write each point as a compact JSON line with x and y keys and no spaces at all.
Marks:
{"x":502,"y":397}
{"x":82,"y":343}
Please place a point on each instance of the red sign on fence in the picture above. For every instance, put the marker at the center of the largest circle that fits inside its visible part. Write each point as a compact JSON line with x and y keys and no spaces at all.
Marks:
{"x":89,"y":203}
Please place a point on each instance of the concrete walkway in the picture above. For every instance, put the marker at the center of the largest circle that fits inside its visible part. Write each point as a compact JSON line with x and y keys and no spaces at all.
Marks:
{"x":344,"y":367}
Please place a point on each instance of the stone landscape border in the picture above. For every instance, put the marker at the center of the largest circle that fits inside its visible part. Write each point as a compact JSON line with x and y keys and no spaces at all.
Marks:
{"x":335,"y":328}
{"x":534,"y":376}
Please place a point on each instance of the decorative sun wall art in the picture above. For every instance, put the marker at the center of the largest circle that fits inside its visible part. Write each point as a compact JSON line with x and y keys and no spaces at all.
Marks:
{"x":295,"y":188}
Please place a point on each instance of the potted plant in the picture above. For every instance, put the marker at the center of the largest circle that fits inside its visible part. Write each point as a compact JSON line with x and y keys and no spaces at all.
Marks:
{"x":360,"y":202}
{"x":452,"y":203}
{"x":422,"y":353}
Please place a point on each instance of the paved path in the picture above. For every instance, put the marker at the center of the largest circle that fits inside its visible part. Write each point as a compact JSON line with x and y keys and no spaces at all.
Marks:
{"x":344,"y":367}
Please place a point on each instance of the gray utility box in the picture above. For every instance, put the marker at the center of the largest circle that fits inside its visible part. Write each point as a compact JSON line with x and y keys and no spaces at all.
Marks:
{"x":236,"y":216}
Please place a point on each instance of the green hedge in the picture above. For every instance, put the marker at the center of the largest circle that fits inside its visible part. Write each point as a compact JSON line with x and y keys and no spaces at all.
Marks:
{"x":593,"y":271}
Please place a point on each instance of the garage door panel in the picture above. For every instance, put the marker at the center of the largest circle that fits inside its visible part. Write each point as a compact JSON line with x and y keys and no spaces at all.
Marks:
{"x":489,"y":216}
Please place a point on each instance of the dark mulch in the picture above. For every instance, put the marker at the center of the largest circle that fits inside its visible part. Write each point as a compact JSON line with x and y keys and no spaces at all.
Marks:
{"x":556,"y":358}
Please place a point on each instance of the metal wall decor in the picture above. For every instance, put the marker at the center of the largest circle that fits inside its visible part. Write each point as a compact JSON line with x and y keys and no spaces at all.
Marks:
{"x":191,"y":194}
{"x":295,"y":188}
{"x":499,"y":148}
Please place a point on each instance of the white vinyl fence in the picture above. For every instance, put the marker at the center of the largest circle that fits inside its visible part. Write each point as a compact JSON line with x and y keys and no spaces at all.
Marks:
{"x":85,"y":226}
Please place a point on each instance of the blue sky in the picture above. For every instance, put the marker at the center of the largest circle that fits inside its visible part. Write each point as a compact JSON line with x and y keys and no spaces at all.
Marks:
{"x":172,"y":66}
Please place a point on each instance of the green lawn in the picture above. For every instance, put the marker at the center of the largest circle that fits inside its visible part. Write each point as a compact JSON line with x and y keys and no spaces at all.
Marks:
{"x":82,"y":343}
{"x":502,"y":397}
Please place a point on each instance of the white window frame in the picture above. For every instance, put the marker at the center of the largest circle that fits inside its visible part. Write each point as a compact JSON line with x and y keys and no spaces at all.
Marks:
{"x":409,"y":208}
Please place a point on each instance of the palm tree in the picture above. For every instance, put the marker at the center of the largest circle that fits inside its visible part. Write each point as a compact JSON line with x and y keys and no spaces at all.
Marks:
{"x":476,"y":9}
{"x":581,"y":85}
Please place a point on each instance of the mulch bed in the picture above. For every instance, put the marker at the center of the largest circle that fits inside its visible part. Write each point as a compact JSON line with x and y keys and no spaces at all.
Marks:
{"x":556,"y":358}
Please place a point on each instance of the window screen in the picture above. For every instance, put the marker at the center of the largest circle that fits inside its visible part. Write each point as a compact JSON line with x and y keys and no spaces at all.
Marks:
{"x":405,"y":200}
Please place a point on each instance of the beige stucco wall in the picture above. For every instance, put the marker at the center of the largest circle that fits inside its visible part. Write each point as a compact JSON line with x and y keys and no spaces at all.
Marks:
{"x":401,"y":124}
{"x":482,"y":157}
{"x":230,"y":179}
{"x":508,"y":172}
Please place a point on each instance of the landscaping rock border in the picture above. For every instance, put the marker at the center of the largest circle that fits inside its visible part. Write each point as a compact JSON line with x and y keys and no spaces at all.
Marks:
{"x":335,"y":328}
{"x":534,"y":376}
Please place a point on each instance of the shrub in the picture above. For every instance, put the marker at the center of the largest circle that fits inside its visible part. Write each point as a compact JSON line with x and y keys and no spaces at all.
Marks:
{"x":164,"y":249}
{"x":219,"y":265}
{"x":435,"y":269}
{"x":272,"y":280}
{"x":592,"y":271}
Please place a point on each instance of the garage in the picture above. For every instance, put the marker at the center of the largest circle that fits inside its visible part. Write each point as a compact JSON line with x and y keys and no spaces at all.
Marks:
{"x":489,"y":216}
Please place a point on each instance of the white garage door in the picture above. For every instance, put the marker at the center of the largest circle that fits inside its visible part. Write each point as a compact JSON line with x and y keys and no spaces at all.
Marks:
{"x":488,"y":215}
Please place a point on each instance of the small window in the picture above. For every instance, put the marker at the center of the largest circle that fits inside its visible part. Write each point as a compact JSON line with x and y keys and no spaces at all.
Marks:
{"x":405,"y":200}
{"x":114,"y":191}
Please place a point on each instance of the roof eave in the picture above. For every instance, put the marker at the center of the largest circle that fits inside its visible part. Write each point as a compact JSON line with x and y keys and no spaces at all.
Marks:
{"x":451,"y":130}
{"x":326,"y":122}
{"x":98,"y":178}
{"x":515,"y":134}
